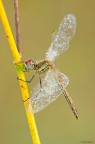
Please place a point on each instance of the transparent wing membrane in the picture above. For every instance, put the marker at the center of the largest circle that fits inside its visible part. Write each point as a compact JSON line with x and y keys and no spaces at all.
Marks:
{"x":62,"y":37}
{"x":49,"y":92}
{"x":68,"y":25}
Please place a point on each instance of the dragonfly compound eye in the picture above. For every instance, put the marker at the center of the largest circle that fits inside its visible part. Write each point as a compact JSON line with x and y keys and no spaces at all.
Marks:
{"x":29,"y":64}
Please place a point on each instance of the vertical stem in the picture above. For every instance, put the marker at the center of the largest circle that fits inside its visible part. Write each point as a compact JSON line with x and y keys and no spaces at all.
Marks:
{"x":23,"y":85}
{"x":17,"y":26}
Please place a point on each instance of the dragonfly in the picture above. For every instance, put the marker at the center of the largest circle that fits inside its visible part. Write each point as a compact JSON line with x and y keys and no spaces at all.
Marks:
{"x":54,"y":82}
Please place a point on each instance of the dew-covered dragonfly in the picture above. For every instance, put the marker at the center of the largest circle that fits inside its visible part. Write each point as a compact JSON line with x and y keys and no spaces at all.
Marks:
{"x":54,"y":82}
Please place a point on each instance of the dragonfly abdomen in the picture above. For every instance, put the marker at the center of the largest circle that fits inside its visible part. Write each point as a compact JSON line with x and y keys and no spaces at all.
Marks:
{"x":71,"y":104}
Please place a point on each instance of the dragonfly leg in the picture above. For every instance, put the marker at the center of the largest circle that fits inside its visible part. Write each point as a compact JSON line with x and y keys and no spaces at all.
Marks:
{"x":28,"y":81}
{"x":40,"y":81}
{"x":26,"y":99}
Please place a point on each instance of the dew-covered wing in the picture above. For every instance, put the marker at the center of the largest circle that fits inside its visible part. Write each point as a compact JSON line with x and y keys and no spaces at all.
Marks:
{"x":49,"y":92}
{"x":62,"y":37}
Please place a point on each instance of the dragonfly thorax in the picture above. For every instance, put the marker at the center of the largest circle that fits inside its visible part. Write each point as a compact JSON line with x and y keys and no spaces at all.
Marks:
{"x":42,"y":66}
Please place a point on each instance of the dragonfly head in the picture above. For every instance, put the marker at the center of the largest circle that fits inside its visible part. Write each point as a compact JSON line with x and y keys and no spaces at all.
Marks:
{"x":29,"y":64}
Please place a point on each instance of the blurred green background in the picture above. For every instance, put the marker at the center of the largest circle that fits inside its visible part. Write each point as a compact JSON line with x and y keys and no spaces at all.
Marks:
{"x":56,"y":124}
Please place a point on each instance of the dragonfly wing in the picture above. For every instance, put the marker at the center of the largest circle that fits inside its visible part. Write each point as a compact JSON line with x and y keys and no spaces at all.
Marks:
{"x":49,"y":92}
{"x":62,"y":37}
